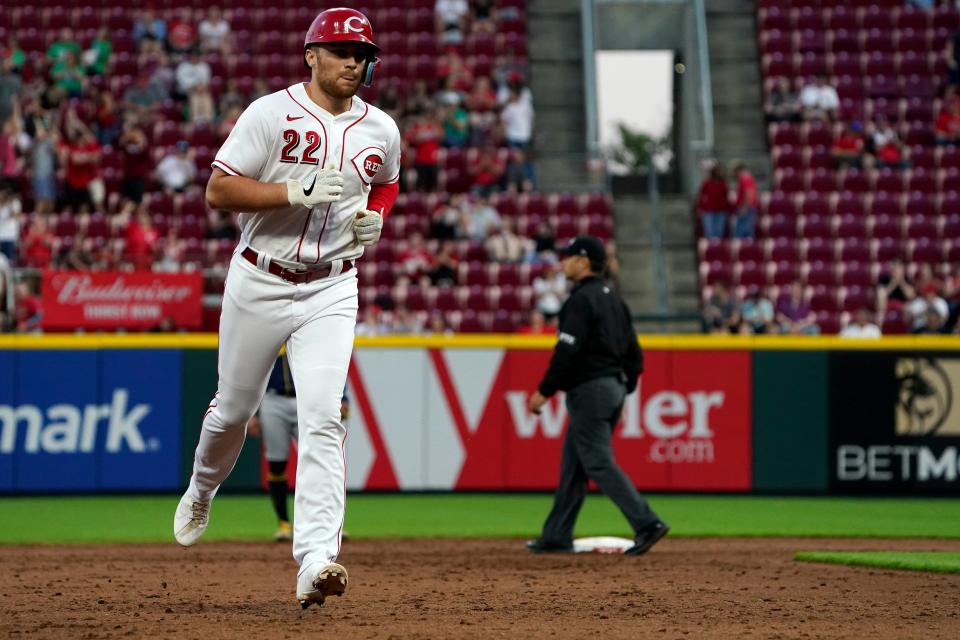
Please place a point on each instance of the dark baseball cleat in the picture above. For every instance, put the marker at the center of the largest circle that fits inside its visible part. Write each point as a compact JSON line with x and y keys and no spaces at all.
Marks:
{"x":647,"y":538}
{"x":539,"y":545}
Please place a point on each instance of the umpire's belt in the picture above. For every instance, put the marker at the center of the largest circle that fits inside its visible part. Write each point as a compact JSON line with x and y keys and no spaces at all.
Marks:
{"x":294,"y":275}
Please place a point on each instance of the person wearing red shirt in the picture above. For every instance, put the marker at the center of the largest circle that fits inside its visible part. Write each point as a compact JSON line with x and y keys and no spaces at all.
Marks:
{"x":81,"y":157}
{"x":425,"y":137}
{"x":415,"y":260}
{"x":713,"y":203}
{"x":38,"y":244}
{"x":182,"y":32}
{"x":487,"y":171}
{"x":141,"y":241}
{"x":745,"y":219}
{"x":27,"y":311}
{"x":847,"y":150}
{"x":947,"y":128}
{"x":137,"y":165}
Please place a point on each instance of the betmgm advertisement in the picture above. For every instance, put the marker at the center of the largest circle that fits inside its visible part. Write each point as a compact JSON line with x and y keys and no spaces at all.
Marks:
{"x":895,"y":423}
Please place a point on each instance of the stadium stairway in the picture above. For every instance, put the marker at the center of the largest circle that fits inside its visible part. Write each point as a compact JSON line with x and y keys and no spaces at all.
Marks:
{"x":737,"y":89}
{"x":556,"y":77}
{"x":635,"y":236}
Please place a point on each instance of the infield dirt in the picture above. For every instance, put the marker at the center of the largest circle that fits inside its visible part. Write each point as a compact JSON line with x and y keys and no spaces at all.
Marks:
{"x":684,"y":588}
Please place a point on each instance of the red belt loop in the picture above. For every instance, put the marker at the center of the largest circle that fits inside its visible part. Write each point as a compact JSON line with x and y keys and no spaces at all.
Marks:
{"x":295,"y":276}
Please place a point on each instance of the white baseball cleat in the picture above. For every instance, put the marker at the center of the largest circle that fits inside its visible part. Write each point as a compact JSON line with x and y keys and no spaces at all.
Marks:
{"x":190,"y":520}
{"x":315,"y":587}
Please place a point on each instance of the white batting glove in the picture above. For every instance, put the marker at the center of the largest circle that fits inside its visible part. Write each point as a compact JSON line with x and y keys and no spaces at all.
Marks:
{"x":320,"y":187}
{"x":367,"y":226}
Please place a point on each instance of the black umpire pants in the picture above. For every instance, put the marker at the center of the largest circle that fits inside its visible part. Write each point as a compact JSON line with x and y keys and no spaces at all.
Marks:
{"x":593,"y":408}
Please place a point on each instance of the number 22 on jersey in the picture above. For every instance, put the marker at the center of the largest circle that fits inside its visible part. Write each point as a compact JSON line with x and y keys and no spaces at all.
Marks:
{"x":292,"y":139}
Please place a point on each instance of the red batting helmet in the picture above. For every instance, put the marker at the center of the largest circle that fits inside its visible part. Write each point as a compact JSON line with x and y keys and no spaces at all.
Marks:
{"x":340,"y":25}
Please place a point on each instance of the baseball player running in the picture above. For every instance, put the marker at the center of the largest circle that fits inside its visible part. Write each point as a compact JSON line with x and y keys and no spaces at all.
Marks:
{"x":312,"y":170}
{"x":276,"y":423}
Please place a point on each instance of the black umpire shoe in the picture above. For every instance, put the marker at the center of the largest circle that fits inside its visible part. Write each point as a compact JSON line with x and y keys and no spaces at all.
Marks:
{"x":539,"y":545}
{"x":647,"y":538}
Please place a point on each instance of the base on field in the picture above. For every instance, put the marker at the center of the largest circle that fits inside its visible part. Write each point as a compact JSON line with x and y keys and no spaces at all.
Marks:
{"x":602,"y":544}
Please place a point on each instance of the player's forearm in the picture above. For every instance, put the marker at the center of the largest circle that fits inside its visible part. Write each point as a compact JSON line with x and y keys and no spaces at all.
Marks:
{"x":238,"y":193}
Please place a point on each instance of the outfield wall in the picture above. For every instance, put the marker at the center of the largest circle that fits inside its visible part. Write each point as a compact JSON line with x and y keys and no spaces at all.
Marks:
{"x":718,"y":414}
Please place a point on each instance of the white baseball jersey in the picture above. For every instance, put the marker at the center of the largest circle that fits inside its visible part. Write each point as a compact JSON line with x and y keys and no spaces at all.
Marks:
{"x":286,"y":135}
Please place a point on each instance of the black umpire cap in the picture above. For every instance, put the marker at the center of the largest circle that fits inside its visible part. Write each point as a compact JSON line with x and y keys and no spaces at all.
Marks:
{"x":590,"y":247}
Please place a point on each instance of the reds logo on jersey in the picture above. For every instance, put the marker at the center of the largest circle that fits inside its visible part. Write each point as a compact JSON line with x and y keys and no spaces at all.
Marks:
{"x":371,"y":164}
{"x":368,"y":163}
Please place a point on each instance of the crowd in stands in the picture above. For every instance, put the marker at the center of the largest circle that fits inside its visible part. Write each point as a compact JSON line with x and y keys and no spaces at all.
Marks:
{"x":860,"y":233}
{"x":110,"y":119}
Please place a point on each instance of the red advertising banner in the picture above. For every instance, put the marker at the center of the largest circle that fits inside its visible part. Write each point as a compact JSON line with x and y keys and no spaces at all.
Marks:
{"x":688,"y":427}
{"x":111,"y":300}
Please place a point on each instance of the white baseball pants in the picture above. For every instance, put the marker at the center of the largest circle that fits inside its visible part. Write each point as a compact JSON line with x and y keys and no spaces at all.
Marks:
{"x":316,"y":320}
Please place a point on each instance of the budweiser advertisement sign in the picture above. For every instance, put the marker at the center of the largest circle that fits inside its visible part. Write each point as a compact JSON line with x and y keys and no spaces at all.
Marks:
{"x":457,"y":419}
{"x":112,"y":300}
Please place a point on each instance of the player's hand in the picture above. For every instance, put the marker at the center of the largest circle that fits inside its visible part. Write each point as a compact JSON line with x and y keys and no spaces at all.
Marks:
{"x":320,"y":187}
{"x":367,"y":226}
{"x":537,"y":400}
{"x":253,"y":427}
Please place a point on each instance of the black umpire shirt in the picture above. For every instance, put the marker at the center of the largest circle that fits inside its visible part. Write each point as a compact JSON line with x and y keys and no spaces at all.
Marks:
{"x":595,"y":340}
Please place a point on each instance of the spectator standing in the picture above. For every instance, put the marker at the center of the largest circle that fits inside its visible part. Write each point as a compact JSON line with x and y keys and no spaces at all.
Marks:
{"x":847,"y":150}
{"x":517,"y":119}
{"x":721,"y":313}
{"x":107,"y":119}
{"x":13,"y":53}
{"x":43,"y":165}
{"x":519,"y":175}
{"x":713,"y":203}
{"x":214,"y":31}
{"x":137,"y":164}
{"x":221,"y":225}
{"x":425,"y":137}
{"x":819,"y":100}
{"x":177,"y":170}
{"x":480,"y":218}
{"x":861,"y":326}
{"x":549,"y":291}
{"x":745,"y":218}
{"x":232,"y":97}
{"x":11,"y":84}
{"x":794,"y":313}
{"x":456,"y":126}
{"x":783,"y":104}
{"x":10,"y":164}
{"x":80,"y":157}
{"x":10,"y":210}
{"x":757,"y":314}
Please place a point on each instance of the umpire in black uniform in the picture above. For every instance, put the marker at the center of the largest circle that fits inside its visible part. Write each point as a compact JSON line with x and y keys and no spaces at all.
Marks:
{"x":597,"y":361}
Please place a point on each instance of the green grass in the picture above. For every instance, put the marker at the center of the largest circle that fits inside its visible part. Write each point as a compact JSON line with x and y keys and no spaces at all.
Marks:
{"x":149,"y":518}
{"x":939,"y":561}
